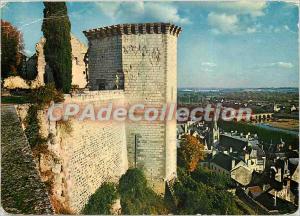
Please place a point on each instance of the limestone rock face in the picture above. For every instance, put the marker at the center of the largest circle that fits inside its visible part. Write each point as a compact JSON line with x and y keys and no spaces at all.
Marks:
{"x":14,"y":82}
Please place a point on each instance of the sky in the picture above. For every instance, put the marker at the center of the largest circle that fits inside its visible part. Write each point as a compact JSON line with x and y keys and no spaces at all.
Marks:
{"x":222,"y":45}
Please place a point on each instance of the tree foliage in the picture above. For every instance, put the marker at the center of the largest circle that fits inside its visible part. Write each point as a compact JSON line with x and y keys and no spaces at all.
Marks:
{"x":58,"y":51}
{"x":44,"y":95}
{"x":196,"y":197}
{"x":190,"y":152}
{"x":137,"y":197}
{"x":101,"y":201}
{"x":216,"y":180}
{"x":11,"y":49}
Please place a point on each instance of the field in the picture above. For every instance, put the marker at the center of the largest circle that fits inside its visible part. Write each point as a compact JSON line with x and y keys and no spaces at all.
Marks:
{"x":289,"y":124}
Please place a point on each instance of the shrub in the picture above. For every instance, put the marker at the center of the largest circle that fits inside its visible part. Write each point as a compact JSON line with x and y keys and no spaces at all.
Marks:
{"x":101,"y":201}
{"x":33,"y":127}
{"x":195,"y":197}
{"x":43,"y":95}
{"x":216,"y":180}
{"x":65,"y":126}
{"x":137,"y":197}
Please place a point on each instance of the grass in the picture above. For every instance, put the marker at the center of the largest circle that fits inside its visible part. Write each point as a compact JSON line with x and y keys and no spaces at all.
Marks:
{"x":14,"y":99}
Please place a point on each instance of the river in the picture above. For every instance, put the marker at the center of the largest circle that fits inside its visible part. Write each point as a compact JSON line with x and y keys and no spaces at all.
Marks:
{"x":267,"y":126}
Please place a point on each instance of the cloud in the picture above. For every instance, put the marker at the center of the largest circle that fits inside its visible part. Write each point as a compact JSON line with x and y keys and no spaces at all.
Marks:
{"x":280,"y":64}
{"x":28,"y":52}
{"x":164,"y":12}
{"x":208,"y":64}
{"x":156,"y":11}
{"x":252,"y":8}
{"x":2,"y":4}
{"x":222,"y":22}
{"x":110,"y":9}
{"x":236,"y":17}
{"x":251,"y":30}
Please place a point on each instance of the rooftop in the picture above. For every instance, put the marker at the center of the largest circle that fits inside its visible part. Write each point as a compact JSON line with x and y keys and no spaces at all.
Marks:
{"x":224,"y":161}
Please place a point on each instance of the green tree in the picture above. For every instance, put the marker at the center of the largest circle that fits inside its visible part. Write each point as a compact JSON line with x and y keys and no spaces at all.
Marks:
{"x":137,"y":197}
{"x":196,"y":197}
{"x":102,"y":200}
{"x":11,"y":49}
{"x":58,"y":51}
{"x":216,"y":180}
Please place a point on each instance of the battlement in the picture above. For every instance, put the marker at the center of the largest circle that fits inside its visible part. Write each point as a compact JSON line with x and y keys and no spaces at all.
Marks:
{"x":128,"y":29}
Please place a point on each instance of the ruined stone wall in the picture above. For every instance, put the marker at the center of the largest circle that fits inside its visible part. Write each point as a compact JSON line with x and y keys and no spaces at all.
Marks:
{"x":43,"y":71}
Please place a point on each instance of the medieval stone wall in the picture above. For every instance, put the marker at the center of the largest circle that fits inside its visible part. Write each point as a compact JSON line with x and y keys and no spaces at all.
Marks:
{"x":105,"y":63}
{"x":92,"y":153}
{"x":144,"y":57}
{"x":144,"y":66}
{"x":95,"y":151}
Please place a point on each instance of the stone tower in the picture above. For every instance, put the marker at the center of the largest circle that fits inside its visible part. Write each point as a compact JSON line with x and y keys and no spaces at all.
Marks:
{"x":141,"y":60}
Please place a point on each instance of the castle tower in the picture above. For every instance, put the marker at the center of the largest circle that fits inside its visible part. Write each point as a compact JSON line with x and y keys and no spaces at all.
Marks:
{"x":141,"y":59}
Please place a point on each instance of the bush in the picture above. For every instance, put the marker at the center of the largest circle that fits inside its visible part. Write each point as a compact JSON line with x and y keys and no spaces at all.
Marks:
{"x":137,"y":197}
{"x":33,"y":127}
{"x":195,"y":197}
{"x":216,"y":180}
{"x":43,"y":95}
{"x":101,"y":201}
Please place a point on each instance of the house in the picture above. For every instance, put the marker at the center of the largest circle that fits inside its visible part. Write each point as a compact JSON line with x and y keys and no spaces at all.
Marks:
{"x":255,"y":158}
{"x":223,"y":163}
{"x":241,"y":174}
{"x":233,"y":142}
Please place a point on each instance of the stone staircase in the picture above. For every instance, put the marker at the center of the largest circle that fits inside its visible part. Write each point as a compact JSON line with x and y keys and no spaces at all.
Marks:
{"x":22,"y":191}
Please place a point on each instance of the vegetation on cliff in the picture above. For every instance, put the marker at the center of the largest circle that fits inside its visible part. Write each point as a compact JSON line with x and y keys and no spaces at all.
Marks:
{"x":199,"y":194}
{"x":102,"y":200}
{"x":58,"y":51}
{"x":137,"y":197}
{"x":40,"y":98}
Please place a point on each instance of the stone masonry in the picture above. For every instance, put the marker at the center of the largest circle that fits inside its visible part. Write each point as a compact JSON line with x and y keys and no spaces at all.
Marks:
{"x":142,"y":57}
{"x":141,"y":60}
